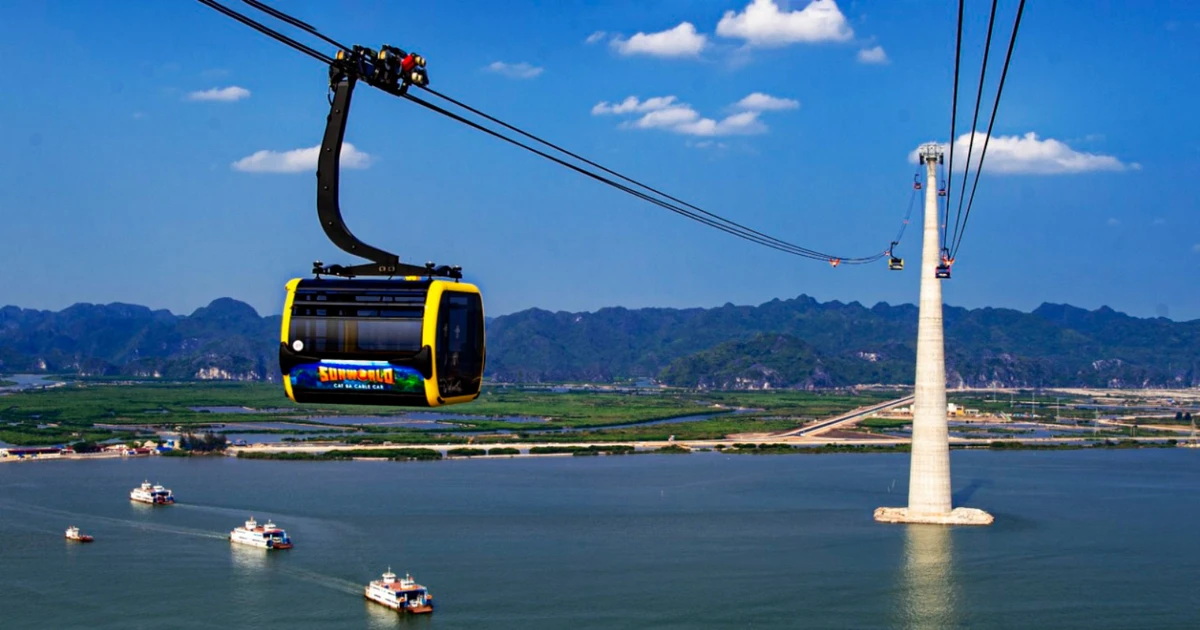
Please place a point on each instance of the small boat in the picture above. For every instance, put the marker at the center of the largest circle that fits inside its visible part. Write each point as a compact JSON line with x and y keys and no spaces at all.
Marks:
{"x":73,"y":533}
{"x":266,"y":536}
{"x":400,"y":594}
{"x":152,"y":494}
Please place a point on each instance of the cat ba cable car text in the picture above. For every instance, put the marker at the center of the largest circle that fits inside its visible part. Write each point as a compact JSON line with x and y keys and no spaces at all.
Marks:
{"x":408,"y":336}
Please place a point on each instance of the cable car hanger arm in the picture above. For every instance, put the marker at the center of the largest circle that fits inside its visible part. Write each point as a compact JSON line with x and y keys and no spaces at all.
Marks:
{"x":344,"y":73}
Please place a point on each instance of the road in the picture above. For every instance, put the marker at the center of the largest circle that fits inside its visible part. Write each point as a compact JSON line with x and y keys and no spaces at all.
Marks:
{"x":825,"y":425}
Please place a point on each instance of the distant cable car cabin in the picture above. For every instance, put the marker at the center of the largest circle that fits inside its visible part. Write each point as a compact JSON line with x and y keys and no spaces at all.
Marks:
{"x":942,"y":191}
{"x":916,"y":182}
{"x":894,"y":263}
{"x":943,"y":269}
{"x":411,"y":336}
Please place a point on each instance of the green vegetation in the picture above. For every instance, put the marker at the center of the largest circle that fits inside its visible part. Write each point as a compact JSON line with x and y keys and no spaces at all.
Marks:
{"x":31,"y":435}
{"x":287,"y":456}
{"x":504,"y":450}
{"x":674,"y":449}
{"x":4,"y":383}
{"x":407,"y":437}
{"x":466,"y":452}
{"x":614,"y":449}
{"x":175,"y":452}
{"x":884,"y":423}
{"x":76,"y":408}
{"x":585,"y":409}
{"x":394,"y":454}
{"x":782,"y":361}
{"x":785,"y":449}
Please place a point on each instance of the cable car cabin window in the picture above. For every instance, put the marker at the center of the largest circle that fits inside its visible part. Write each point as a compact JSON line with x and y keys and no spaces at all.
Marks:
{"x":389,"y":335}
{"x":350,"y":336}
{"x":459,"y":344}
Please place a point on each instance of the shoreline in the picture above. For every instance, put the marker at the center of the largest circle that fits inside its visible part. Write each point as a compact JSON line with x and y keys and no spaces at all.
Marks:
{"x":439,"y":452}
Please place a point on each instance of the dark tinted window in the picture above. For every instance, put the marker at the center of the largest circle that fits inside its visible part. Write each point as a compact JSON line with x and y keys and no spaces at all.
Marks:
{"x":351,"y":336}
{"x":460,"y":344}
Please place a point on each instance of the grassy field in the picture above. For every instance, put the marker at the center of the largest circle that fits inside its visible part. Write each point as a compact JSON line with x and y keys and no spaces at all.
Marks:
{"x":70,"y":413}
{"x":884,"y":423}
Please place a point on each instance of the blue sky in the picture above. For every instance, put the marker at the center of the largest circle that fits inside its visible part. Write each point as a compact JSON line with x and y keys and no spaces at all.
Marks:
{"x":124,"y":122}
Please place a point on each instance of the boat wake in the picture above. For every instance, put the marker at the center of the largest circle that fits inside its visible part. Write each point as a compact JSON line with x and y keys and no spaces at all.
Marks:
{"x":321,"y":579}
{"x":123,"y":522}
{"x":340,"y":528}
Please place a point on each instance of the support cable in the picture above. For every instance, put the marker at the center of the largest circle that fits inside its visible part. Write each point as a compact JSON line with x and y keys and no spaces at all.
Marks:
{"x":1012,"y":41}
{"x":695,"y":213}
{"x":987,"y":49}
{"x":953,"y":114}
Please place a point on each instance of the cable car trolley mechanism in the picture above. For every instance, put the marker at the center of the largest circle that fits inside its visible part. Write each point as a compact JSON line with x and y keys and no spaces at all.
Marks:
{"x":410,"y":335}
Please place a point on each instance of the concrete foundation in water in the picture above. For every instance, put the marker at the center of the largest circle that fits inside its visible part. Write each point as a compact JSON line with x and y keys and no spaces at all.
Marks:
{"x":957,"y":516}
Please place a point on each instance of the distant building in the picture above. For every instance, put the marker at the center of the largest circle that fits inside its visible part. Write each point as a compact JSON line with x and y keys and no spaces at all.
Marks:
{"x":43,"y":452}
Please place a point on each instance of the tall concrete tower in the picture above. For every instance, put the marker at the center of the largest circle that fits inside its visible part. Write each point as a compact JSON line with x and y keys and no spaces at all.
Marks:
{"x":929,"y":470}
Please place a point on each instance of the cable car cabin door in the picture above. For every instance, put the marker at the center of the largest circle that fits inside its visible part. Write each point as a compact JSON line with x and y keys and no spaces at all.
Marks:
{"x":410,"y":343}
{"x":457,"y":339}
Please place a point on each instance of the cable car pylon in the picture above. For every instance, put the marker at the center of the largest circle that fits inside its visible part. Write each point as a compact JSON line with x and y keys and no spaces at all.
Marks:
{"x":929,"y":498}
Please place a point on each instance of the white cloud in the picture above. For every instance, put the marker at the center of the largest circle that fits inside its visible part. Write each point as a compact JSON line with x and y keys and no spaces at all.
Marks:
{"x":874,"y":55}
{"x":595,"y":37}
{"x":740,"y":124}
{"x":705,"y":144}
{"x":667,"y":113}
{"x":667,"y":118}
{"x":520,"y":70}
{"x":1030,"y":155}
{"x":1158,"y":222}
{"x":224,"y":95}
{"x":1196,"y":248}
{"x":139,"y":115}
{"x":681,"y":41}
{"x":297,"y":160}
{"x":632,"y":105}
{"x":1113,"y":221}
{"x":760,"y":102}
{"x":762,"y":23}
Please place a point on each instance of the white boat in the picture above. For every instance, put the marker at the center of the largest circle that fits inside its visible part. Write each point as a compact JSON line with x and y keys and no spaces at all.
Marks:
{"x":152,"y":494}
{"x":403,"y":594}
{"x":266,"y":536}
{"x":73,"y":533}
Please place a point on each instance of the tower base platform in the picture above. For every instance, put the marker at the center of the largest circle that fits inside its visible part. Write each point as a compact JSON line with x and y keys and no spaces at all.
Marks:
{"x":957,"y":516}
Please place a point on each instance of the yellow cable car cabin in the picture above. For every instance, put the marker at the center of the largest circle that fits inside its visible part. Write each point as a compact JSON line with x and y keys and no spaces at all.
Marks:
{"x":416,"y":342}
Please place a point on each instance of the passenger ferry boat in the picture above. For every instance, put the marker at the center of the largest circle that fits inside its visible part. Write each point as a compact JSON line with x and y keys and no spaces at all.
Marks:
{"x":73,"y":533}
{"x":152,"y":494}
{"x":402,"y":595}
{"x":266,"y":536}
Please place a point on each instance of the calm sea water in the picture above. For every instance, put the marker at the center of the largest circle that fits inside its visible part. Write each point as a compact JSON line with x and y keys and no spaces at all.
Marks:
{"x":1082,"y":540}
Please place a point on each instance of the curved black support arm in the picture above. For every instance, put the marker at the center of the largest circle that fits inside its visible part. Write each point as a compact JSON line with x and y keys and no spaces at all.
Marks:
{"x":328,"y":171}
{"x":343,"y":76}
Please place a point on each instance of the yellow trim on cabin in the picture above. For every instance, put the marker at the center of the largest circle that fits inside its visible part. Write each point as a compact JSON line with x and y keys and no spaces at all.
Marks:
{"x":287,"y":309}
{"x":285,"y":328}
